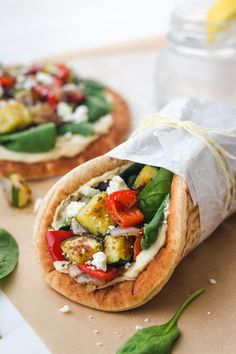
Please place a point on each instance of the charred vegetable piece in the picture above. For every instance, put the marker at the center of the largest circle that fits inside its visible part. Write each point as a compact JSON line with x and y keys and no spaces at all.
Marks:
{"x":118,"y":249}
{"x":14,"y":116}
{"x":94,"y":216}
{"x":147,"y":174}
{"x":130,"y":174}
{"x":80,"y":249}
{"x":17,"y":191}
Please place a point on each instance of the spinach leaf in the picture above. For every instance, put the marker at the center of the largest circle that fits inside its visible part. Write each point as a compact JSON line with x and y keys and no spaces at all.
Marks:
{"x":98,"y":106}
{"x":157,"y":339}
{"x":130,"y":174}
{"x":90,"y":86}
{"x":154,"y":193}
{"x":9,"y":253}
{"x":151,"y":230}
{"x":85,"y":129}
{"x":36,"y":139}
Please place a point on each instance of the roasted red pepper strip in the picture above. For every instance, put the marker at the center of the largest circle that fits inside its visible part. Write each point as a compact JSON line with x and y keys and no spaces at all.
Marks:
{"x":137,"y":244}
{"x":7,"y":81}
{"x":110,"y":274}
{"x":54,"y":240}
{"x":121,"y":206}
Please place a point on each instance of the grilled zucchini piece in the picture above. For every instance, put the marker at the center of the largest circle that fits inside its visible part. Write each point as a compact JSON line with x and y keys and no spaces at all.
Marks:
{"x":80,"y":249}
{"x":118,"y":250}
{"x":14,"y":116}
{"x":17,"y":191}
{"x":94,"y":215}
{"x":147,"y":174}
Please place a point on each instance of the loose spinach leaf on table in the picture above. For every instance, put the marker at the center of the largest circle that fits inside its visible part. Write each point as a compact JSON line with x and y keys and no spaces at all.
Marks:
{"x":9,"y":253}
{"x":85,"y":129}
{"x":157,"y":339}
{"x":154,"y":193}
{"x":34,"y":140}
{"x":151,"y":229}
{"x":98,"y":106}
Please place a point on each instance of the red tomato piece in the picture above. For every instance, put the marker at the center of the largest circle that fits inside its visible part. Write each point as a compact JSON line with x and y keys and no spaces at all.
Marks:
{"x":110,"y":274}
{"x":6,"y":81}
{"x":54,"y":240}
{"x":121,"y":206}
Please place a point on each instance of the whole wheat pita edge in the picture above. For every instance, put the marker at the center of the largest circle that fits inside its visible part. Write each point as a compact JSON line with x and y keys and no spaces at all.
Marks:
{"x":111,"y":232}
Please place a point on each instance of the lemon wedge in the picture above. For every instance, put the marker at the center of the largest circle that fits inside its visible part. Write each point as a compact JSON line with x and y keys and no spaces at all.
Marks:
{"x":220,"y":13}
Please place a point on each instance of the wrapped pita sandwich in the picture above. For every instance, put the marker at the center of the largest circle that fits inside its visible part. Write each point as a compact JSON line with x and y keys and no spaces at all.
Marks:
{"x":111,"y":232}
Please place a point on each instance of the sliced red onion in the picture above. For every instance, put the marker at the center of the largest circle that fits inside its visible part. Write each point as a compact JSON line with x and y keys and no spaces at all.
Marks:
{"x":88,"y":279}
{"x":124,"y":231}
{"x":77,"y":229}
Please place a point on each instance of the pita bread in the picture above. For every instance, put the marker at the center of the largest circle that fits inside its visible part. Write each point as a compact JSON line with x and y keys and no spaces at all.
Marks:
{"x":116,"y":135}
{"x":182,"y":235}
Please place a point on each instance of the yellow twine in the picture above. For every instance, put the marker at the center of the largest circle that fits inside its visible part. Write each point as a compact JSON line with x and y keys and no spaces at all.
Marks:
{"x":221,"y":155}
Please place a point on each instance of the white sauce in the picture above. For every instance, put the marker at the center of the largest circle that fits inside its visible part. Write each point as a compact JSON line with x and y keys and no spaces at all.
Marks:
{"x":66,"y":146}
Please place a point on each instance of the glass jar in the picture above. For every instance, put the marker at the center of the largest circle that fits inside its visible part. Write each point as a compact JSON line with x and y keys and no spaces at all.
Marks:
{"x":190,"y":65}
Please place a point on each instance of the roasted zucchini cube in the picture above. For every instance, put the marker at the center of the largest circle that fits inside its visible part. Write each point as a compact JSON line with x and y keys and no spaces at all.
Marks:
{"x":147,"y":174}
{"x":80,"y":249}
{"x":118,"y":250}
{"x":14,"y":116}
{"x":17,"y":191}
{"x":94,"y":216}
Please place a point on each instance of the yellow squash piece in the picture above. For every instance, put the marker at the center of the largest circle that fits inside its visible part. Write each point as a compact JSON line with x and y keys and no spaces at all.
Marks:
{"x":80,"y":249}
{"x":147,"y":174}
{"x":14,"y":116}
{"x":221,"y":12}
{"x":94,"y":215}
{"x":17,"y":191}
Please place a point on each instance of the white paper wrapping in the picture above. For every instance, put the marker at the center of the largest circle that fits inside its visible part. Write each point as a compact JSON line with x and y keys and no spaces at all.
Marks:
{"x":188,"y":156}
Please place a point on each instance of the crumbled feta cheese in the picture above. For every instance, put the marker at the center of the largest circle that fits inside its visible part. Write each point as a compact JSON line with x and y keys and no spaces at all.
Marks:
{"x":44,"y":78}
{"x":90,"y":317}
{"x":96,"y":331}
{"x":100,"y":261}
{"x":103,"y":124}
{"x":137,"y":327}
{"x":127,"y":265}
{"x":99,"y":344}
{"x":146,"y":320}
{"x":212,"y":281}
{"x":37,"y":205}
{"x":73,"y":208}
{"x":64,"y":110}
{"x":65,"y":309}
{"x":88,"y":191}
{"x":61,"y":266}
{"x":25,"y":82}
{"x":80,"y":114}
{"x":209,"y":313}
{"x":116,"y":184}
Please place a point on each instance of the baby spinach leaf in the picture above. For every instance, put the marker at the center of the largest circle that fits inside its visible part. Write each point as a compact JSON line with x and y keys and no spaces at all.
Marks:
{"x":9,"y":253}
{"x":154,"y":193}
{"x":34,"y":140}
{"x":157,"y":339}
{"x":98,"y":106}
{"x":85,"y":129}
{"x":151,"y":230}
{"x":91,"y":86}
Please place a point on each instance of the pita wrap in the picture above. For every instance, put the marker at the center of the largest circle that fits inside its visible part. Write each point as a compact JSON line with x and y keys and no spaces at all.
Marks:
{"x":183,"y":233}
{"x":117,"y":133}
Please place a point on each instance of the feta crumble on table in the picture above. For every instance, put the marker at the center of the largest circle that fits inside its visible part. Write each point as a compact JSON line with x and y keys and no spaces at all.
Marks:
{"x":100,"y":261}
{"x":116,"y":184}
{"x":137,"y":327}
{"x":64,"y":309}
{"x":73,"y":208}
{"x":212,"y":281}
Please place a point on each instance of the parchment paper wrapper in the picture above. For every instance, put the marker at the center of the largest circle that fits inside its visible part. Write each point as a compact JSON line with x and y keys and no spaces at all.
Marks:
{"x":188,"y":156}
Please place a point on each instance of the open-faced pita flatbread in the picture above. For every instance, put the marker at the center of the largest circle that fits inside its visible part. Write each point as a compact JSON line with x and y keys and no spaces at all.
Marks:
{"x":183,"y":232}
{"x":52,"y":120}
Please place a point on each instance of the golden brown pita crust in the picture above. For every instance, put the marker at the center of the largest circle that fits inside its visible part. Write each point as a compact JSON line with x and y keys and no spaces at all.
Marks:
{"x":116,"y":135}
{"x":182,"y":235}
